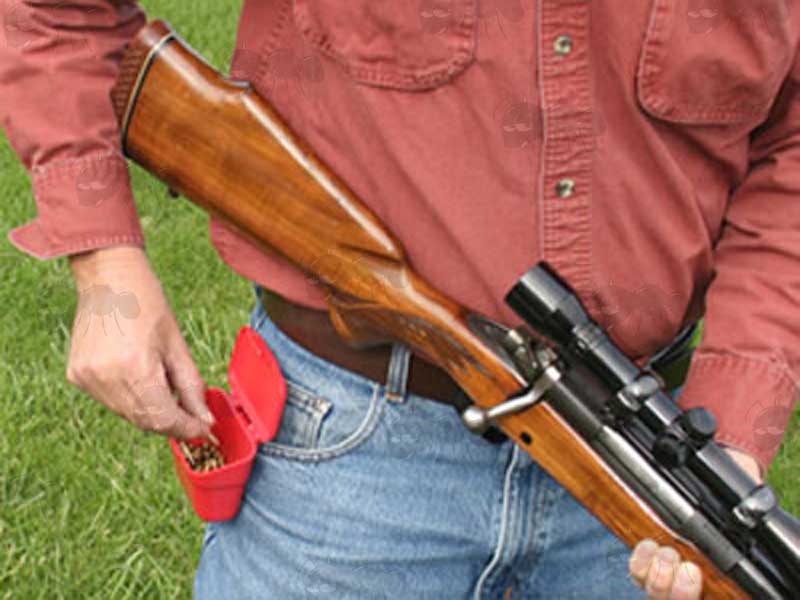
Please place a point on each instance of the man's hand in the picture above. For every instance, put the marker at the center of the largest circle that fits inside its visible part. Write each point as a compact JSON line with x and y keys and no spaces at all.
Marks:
{"x":127,"y":351}
{"x":659,"y":570}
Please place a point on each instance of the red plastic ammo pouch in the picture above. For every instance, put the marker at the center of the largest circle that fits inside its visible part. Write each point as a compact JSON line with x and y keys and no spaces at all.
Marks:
{"x":250,"y":414}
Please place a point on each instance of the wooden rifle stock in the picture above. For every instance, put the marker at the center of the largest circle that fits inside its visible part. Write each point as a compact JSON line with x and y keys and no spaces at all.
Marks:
{"x":221,"y":145}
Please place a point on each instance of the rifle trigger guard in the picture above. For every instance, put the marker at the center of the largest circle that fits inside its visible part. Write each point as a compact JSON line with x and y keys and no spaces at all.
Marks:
{"x":478,"y":419}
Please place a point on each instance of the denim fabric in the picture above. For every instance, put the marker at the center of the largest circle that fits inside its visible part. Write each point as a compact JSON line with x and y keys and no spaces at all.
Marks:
{"x":369,"y":492}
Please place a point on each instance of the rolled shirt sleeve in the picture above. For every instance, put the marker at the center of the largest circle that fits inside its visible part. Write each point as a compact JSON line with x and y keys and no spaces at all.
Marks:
{"x":58,"y":62}
{"x":746,"y":367}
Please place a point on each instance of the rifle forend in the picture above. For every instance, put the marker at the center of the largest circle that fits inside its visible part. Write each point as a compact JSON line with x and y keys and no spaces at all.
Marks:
{"x":221,"y":145}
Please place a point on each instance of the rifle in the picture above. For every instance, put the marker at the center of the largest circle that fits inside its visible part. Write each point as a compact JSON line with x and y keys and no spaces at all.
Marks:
{"x":564,"y":392}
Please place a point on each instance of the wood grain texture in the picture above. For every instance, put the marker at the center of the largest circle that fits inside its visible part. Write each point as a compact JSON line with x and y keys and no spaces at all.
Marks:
{"x":221,"y":145}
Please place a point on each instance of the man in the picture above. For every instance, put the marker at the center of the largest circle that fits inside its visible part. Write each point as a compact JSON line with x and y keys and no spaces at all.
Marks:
{"x":648,"y":153}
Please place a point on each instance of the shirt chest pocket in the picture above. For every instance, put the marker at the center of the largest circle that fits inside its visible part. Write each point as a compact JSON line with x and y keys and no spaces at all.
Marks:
{"x":398,"y":45}
{"x":715,"y":61}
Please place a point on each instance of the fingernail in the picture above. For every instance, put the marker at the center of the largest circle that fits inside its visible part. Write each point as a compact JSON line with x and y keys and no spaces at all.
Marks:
{"x":208,"y":417}
{"x":668,"y":556}
{"x":665,"y":563}
{"x":643,"y":554}
{"x":688,"y":577}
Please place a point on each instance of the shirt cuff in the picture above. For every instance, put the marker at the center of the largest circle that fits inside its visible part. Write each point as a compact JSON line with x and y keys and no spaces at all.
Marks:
{"x":83,"y":204}
{"x":752,"y":400}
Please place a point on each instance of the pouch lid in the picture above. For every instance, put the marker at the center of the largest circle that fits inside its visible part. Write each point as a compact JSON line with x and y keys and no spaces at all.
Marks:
{"x":258,"y":388}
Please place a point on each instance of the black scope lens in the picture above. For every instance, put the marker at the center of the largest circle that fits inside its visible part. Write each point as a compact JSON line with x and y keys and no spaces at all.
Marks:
{"x":553,"y":310}
{"x":547,"y":304}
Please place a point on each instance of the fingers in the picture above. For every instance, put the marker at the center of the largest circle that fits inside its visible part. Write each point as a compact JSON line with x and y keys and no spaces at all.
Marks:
{"x":643,"y":555}
{"x":661,"y":573}
{"x":182,"y":425}
{"x":137,"y":364}
{"x":138,"y":390}
{"x":154,"y":409}
{"x":688,"y":582}
{"x":186,"y":381}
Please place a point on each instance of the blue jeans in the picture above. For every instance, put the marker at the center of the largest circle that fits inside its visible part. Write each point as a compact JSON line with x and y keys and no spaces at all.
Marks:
{"x":369,"y":492}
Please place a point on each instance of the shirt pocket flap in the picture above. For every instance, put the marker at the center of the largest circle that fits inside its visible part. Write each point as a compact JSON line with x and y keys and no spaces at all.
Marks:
{"x":400,"y":45}
{"x":714,"y":62}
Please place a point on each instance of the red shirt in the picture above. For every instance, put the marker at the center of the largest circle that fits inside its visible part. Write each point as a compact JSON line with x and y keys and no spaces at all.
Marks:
{"x":649,"y":153}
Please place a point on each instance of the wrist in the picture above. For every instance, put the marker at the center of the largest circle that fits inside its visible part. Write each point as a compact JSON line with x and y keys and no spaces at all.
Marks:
{"x":103,"y":263}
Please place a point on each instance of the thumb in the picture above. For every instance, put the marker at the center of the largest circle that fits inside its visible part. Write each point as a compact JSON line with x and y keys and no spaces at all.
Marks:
{"x":185,"y":379}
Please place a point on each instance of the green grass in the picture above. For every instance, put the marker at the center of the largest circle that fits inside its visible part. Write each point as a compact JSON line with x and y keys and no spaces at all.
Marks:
{"x":90,"y":506}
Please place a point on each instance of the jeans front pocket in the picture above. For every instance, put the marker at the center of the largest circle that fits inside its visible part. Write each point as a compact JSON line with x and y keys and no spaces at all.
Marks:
{"x":315,"y":428}
{"x":302,"y":416}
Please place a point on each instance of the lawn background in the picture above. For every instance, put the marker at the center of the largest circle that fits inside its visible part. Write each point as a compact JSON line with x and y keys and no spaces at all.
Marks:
{"x":90,"y":506}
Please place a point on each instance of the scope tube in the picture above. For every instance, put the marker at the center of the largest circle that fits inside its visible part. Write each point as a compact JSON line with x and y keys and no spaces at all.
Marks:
{"x":566,"y":396}
{"x":553,"y":310}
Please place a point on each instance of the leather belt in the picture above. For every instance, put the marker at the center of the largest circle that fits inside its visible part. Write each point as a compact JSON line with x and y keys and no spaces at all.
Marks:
{"x":313,"y":330}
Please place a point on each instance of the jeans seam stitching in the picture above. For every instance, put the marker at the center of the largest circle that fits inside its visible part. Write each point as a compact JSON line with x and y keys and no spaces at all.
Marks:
{"x":504,"y":523}
{"x":545,"y":500}
{"x":257,"y":325}
{"x":306,"y":400}
{"x":358,"y":437}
